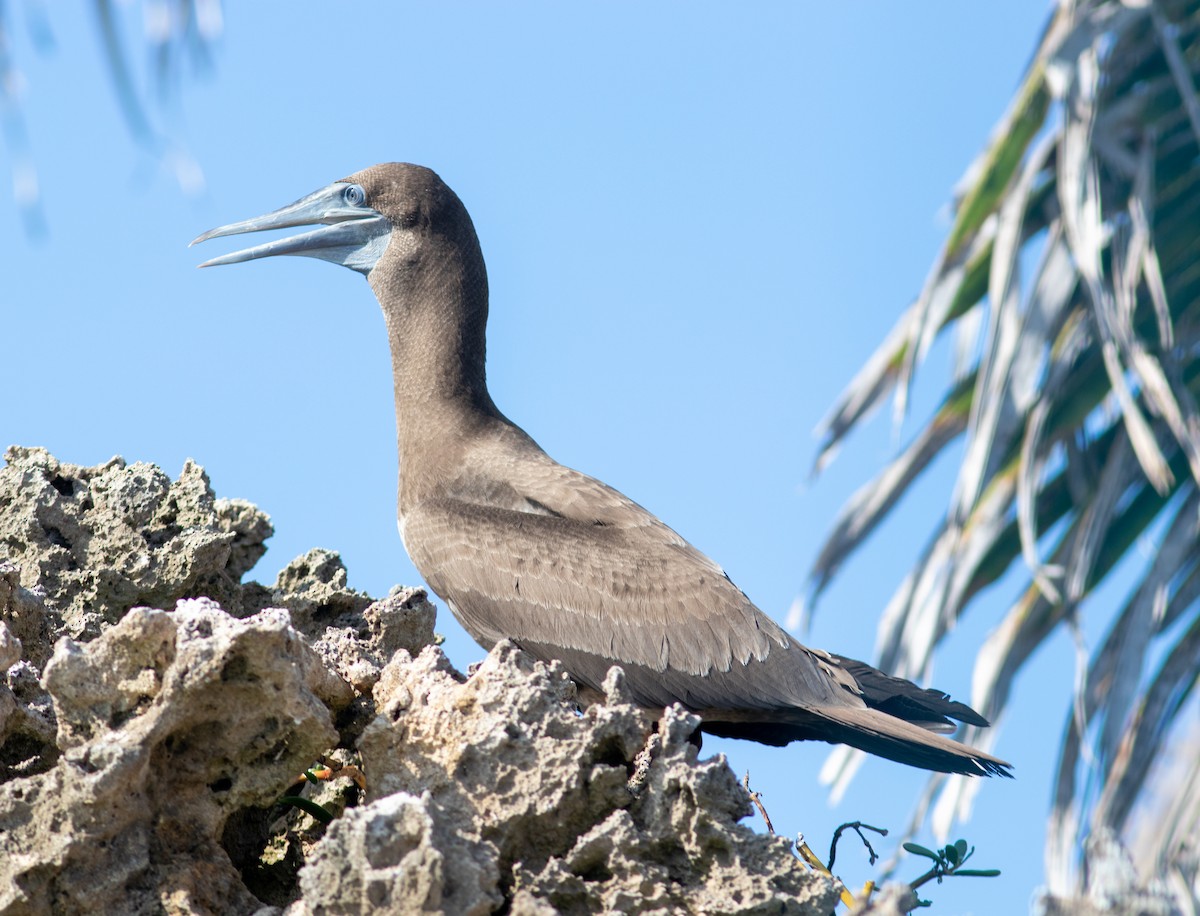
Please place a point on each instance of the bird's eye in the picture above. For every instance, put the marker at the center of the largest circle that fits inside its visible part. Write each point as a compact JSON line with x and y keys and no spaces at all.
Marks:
{"x":354,"y":195}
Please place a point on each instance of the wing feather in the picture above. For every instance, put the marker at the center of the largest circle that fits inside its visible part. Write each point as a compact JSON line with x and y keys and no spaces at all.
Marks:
{"x":570,"y":568}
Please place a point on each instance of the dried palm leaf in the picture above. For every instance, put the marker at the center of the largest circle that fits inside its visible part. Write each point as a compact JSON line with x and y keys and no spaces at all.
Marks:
{"x":1079,"y":411}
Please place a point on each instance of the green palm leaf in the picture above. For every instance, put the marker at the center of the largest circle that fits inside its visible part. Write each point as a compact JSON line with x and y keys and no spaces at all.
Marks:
{"x":1079,"y":413}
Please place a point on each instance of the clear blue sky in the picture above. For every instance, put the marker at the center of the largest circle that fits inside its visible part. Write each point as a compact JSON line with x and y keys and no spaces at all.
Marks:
{"x":698,"y":219}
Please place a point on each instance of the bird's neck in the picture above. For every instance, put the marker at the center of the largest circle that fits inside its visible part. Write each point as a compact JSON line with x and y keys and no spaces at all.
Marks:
{"x":435,"y":308}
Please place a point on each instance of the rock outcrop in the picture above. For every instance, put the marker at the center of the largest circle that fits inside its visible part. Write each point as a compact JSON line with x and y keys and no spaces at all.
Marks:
{"x":157,"y":714}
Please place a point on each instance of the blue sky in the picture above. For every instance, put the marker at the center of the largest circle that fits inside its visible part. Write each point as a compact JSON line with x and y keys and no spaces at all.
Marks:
{"x":698,"y":219}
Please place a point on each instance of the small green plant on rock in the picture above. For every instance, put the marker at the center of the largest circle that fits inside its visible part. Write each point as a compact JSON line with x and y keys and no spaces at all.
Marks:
{"x":947,"y":861}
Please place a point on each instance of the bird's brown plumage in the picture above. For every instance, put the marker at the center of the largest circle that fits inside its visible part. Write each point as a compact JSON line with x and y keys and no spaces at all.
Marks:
{"x":523,"y":548}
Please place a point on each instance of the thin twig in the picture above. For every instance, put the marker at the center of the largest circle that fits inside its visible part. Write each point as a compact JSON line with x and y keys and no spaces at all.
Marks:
{"x":757,"y":799}
{"x":858,"y":827}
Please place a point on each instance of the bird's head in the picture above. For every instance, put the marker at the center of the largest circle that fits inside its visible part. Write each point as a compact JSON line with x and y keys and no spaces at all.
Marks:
{"x":402,"y":228}
{"x":391,"y":210}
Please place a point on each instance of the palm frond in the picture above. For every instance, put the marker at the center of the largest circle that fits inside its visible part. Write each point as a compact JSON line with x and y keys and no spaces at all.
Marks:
{"x":1080,"y":418}
{"x":174,"y":33}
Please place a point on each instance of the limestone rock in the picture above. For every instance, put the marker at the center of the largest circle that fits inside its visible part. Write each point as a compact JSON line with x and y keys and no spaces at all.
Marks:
{"x":394,"y":856}
{"x":27,"y":725}
{"x":154,"y":709}
{"x":101,"y":540}
{"x":542,"y":792}
{"x":314,"y":588}
{"x":168,"y":723}
{"x":353,"y":634}
{"x":893,"y":899}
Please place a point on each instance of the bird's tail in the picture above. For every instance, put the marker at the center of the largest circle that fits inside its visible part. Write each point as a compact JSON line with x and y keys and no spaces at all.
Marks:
{"x":879,"y":733}
{"x":916,"y":743}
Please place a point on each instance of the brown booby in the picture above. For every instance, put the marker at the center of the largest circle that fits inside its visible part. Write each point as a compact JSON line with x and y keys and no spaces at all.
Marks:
{"x":566,"y":567}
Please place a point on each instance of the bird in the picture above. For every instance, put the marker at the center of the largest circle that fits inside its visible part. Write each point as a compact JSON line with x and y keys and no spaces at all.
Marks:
{"x":522,"y":548}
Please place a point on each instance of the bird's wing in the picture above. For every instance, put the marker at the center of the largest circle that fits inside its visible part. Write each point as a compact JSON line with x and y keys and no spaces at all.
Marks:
{"x":569,"y":568}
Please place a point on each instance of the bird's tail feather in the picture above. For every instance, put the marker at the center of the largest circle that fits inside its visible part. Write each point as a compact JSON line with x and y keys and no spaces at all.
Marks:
{"x":883,"y":734}
{"x":930,"y":709}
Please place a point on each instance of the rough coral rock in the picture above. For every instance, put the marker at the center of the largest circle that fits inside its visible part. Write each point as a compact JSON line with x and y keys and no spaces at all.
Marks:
{"x":314,"y":587}
{"x":27,"y":631}
{"x":358,"y":645}
{"x":101,"y":540}
{"x":154,"y":709}
{"x":167,"y":724}
{"x":541,"y":793}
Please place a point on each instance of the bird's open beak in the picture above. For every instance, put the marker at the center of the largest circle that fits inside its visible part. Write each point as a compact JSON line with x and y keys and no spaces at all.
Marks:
{"x":354,"y":236}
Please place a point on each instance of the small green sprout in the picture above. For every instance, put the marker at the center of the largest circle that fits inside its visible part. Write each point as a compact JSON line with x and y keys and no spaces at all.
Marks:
{"x":947,"y":861}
